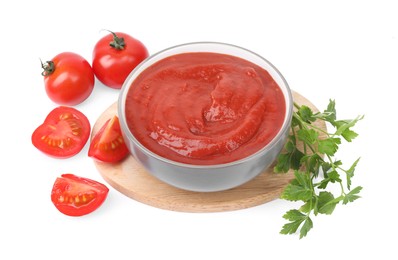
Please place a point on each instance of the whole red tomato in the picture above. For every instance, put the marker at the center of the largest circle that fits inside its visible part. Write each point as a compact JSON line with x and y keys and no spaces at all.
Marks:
{"x":115,"y":56}
{"x":68,"y":79}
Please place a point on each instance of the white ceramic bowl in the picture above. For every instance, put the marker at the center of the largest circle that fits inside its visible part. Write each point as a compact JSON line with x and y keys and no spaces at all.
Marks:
{"x":207,"y":178}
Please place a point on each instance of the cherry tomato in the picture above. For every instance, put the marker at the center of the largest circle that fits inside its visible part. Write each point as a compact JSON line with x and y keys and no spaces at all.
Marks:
{"x":68,"y":79}
{"x":108,"y":144}
{"x":115,"y":56}
{"x":63,"y":133}
{"x":77,"y":196}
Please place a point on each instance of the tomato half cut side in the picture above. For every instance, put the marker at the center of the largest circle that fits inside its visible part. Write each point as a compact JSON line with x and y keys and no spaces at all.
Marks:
{"x":77,"y":196}
{"x":63,"y":133}
{"x":108,"y":144}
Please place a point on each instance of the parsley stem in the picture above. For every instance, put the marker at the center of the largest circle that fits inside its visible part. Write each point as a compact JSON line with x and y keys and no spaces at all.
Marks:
{"x":319,"y":129}
{"x":296,"y":105}
{"x":342,"y":189}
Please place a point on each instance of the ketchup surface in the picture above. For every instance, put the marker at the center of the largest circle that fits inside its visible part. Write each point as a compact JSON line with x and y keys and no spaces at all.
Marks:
{"x":204,"y":108}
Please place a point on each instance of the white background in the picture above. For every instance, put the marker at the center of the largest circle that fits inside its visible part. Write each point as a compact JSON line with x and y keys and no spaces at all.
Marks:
{"x":345,"y":50}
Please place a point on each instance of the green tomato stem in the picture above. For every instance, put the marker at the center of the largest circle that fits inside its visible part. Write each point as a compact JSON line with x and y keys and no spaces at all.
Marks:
{"x":48,"y":68}
{"x":117,"y":43}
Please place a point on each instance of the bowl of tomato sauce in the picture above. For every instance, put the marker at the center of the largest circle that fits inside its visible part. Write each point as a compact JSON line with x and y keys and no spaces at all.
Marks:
{"x":205,"y":116}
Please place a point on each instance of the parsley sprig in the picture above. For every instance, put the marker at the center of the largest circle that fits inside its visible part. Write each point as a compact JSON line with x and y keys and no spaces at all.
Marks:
{"x":310,"y":152}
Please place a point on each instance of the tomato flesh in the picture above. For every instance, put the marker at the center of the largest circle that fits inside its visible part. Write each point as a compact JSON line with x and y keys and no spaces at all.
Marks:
{"x":108,"y":144}
{"x":63,"y":133}
{"x":77,"y":196}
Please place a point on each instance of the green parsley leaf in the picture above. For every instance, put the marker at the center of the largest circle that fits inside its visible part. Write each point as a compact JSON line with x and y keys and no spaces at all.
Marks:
{"x":343,"y":125}
{"x":309,"y":205}
{"x":350,"y":173}
{"x":329,"y":146}
{"x":290,"y":159}
{"x":326,"y":203}
{"x":306,"y":114}
{"x":349,"y":135}
{"x":330,"y":112}
{"x":283,"y":164}
{"x":312,"y":162}
{"x":333,"y":176}
{"x":323,"y":184}
{"x":306,"y":227}
{"x":299,"y":188}
{"x":296,"y":218}
{"x":326,"y":166}
{"x":307,"y":136}
{"x":352,"y":195}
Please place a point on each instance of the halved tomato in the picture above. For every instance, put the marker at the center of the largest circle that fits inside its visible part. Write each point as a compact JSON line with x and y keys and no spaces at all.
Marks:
{"x":77,"y":196}
{"x":63,"y":134}
{"x":108,"y":144}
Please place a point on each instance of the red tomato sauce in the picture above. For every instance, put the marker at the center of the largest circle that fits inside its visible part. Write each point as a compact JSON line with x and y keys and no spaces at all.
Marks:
{"x":204,"y":108}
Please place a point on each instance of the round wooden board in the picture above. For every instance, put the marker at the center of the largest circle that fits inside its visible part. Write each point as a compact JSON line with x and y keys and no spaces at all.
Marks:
{"x":132,"y":180}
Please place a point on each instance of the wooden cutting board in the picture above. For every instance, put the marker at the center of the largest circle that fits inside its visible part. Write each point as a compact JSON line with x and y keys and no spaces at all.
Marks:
{"x":132,"y":180}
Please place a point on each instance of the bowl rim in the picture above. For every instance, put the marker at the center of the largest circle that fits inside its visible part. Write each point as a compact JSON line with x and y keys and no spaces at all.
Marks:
{"x":128,"y":81}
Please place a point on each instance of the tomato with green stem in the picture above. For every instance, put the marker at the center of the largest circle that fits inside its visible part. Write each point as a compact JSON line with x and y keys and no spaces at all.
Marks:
{"x":77,"y":196}
{"x":115,"y":56}
{"x":68,"y":79}
{"x":63,"y":134}
{"x":108,"y":144}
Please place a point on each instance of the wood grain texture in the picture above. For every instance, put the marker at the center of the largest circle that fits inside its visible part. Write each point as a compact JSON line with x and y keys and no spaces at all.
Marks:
{"x":132,"y":180}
